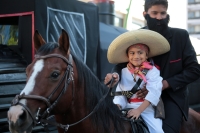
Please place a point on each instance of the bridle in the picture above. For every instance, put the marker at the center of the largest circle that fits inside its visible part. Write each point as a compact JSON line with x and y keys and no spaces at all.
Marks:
{"x":67,"y":78}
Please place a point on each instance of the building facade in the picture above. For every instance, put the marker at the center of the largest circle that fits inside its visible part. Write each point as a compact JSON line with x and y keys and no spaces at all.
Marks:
{"x":194,"y":18}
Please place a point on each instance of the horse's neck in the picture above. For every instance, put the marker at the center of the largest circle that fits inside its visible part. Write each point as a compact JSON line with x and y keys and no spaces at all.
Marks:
{"x":75,"y":111}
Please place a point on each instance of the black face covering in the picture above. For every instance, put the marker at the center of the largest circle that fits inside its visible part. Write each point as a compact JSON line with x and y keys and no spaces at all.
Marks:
{"x":159,"y":26}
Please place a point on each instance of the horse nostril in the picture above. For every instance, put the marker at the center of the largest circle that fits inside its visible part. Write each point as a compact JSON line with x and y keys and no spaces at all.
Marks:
{"x":23,"y":115}
{"x":22,"y":118}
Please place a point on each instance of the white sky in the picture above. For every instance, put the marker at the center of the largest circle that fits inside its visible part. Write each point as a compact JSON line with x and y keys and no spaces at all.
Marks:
{"x":177,"y":10}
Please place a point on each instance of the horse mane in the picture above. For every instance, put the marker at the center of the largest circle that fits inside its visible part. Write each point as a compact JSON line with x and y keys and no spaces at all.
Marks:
{"x":95,"y":90}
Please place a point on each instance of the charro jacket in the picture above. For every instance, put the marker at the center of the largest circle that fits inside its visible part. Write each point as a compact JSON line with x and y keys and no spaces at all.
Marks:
{"x":179,"y":67}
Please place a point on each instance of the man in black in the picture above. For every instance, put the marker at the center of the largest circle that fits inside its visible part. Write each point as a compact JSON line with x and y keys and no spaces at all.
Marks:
{"x":178,"y":67}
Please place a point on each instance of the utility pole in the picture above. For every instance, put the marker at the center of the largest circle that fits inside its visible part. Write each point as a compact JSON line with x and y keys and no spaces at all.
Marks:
{"x":126,"y":18}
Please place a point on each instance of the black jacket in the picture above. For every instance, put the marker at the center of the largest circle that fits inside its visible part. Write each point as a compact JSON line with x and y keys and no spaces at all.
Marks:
{"x":179,"y":67}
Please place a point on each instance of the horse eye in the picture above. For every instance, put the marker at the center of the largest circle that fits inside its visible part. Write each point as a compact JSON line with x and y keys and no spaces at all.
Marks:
{"x":55,"y":75}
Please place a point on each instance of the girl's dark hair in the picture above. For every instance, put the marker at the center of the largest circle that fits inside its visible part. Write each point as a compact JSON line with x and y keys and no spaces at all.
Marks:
{"x":149,"y":3}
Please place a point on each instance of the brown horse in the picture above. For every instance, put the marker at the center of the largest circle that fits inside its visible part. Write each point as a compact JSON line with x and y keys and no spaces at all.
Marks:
{"x":192,"y":125}
{"x":59,"y":84}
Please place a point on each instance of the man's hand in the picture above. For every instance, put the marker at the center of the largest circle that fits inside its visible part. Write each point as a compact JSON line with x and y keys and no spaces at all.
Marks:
{"x":165,"y":85}
{"x":109,"y":77}
{"x":141,"y":94}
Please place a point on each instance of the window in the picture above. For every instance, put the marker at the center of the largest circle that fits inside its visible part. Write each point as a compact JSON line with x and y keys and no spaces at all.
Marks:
{"x":190,"y":1}
{"x":197,"y":28}
{"x":9,"y":34}
{"x":194,"y":28}
{"x":190,"y":29}
{"x":193,"y":1}
{"x":118,"y":22}
{"x":197,"y":14}
{"x":194,"y":14}
{"x":190,"y":14}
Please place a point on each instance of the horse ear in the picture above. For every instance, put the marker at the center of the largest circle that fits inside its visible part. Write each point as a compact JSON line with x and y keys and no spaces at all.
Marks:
{"x":38,"y":40}
{"x":64,"y":41}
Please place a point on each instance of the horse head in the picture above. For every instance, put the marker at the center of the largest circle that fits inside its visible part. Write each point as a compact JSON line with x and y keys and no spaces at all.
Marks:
{"x":49,"y":77}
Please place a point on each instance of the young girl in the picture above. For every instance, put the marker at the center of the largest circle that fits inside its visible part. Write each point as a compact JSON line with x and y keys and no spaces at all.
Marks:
{"x":136,"y":47}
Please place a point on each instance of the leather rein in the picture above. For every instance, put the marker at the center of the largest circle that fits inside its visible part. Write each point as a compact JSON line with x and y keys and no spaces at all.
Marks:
{"x":67,"y":78}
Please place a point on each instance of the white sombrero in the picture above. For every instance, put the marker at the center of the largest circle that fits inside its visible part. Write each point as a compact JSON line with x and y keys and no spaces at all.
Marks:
{"x":117,"y":50}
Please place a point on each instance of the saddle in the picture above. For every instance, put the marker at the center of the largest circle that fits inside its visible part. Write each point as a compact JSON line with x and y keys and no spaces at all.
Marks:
{"x":138,"y":126}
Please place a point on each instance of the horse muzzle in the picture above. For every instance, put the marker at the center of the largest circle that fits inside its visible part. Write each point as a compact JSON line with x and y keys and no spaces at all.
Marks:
{"x":19,"y":120}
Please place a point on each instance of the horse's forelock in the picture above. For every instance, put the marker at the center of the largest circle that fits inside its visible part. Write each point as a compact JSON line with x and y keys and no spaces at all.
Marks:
{"x":47,"y":48}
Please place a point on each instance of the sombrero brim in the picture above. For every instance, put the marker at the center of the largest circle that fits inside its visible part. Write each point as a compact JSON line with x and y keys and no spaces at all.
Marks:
{"x":117,"y":50}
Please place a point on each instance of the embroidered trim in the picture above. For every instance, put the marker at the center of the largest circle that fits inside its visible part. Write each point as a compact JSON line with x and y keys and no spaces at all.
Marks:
{"x":175,"y":60}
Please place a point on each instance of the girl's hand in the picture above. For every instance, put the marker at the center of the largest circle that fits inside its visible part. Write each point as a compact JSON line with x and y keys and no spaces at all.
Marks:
{"x":109,"y":77}
{"x":134,"y":113}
